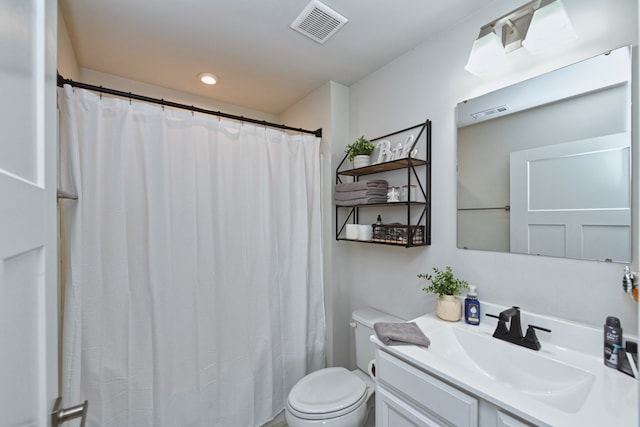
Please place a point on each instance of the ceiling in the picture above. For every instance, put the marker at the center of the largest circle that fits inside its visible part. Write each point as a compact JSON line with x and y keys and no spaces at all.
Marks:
{"x":261,"y":62}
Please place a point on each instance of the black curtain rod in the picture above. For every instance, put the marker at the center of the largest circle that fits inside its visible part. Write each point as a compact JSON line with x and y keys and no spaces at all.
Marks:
{"x":62,"y":81}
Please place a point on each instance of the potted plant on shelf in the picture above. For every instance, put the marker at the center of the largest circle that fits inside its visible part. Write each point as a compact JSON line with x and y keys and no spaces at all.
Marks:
{"x":446,"y":286}
{"x":360,"y":152}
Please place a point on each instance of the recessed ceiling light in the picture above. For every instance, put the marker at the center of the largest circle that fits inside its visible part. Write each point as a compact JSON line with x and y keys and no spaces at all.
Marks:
{"x":208,"y":78}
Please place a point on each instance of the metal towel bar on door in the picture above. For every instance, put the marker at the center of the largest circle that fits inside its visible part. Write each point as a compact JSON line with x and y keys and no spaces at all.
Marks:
{"x":61,"y":415}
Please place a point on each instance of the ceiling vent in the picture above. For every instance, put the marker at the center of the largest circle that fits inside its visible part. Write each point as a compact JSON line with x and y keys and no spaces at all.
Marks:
{"x":491,"y":112}
{"x":318,"y":21}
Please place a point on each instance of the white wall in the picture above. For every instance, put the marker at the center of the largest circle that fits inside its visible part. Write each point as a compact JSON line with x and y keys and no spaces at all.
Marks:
{"x":428,"y":82}
{"x":326,"y":107}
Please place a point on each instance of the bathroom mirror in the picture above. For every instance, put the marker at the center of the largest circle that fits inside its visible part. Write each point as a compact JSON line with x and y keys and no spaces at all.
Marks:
{"x":544,"y":165}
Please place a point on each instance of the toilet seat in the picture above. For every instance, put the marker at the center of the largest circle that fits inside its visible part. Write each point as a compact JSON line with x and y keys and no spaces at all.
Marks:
{"x":327,"y":393}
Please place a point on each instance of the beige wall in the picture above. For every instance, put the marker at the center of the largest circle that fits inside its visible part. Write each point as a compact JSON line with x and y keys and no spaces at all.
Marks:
{"x":67,"y":63}
{"x":141,"y":88}
{"x":69,"y":68}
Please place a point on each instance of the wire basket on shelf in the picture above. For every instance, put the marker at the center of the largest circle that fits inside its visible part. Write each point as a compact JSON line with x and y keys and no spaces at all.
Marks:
{"x":398,"y":233}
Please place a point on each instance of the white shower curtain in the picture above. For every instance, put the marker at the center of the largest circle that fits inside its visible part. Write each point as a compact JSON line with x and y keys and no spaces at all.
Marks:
{"x":194,"y":294}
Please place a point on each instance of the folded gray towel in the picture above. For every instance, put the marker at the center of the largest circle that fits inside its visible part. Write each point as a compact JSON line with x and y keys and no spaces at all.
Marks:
{"x":362,"y":201}
{"x":350,"y":195}
{"x":400,"y":334}
{"x":362,"y":185}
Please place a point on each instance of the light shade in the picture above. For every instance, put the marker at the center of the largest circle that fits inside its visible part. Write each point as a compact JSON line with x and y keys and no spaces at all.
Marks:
{"x":550,"y":27}
{"x":208,"y":78}
{"x":538,"y":25}
{"x":487,"y":52}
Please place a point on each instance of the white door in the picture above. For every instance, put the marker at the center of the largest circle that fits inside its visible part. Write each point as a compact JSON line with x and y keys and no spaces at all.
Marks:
{"x":573,"y":199}
{"x":28,"y":254}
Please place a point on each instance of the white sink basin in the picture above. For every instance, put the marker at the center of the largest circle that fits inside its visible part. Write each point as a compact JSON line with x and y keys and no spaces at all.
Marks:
{"x":526,"y":371}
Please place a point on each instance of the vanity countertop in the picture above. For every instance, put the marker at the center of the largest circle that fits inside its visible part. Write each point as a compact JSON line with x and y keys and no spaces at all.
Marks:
{"x":606,"y":397}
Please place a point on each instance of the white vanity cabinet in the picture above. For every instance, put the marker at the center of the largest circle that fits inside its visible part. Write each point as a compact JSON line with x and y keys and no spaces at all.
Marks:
{"x":468,"y":378}
{"x":409,"y":397}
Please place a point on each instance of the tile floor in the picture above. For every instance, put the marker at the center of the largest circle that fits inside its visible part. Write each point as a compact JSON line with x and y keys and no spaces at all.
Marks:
{"x":279,"y":421}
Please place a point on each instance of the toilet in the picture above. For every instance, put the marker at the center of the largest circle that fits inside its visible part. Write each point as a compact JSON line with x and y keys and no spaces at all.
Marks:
{"x":337,"y":397}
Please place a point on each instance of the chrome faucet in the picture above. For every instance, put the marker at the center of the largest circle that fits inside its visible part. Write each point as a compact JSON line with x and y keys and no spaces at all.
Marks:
{"x":513,"y":333}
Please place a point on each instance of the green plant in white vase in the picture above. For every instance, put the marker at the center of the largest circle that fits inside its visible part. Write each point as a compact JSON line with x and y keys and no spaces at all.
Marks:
{"x":359,"y":152}
{"x":446,"y":286}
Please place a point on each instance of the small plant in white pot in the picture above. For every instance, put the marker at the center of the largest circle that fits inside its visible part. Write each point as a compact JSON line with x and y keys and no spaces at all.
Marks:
{"x":360,"y":152}
{"x":446,"y":286}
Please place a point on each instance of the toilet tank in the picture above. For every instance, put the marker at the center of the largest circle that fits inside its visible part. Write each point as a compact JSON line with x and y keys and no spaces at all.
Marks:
{"x":363,"y":320}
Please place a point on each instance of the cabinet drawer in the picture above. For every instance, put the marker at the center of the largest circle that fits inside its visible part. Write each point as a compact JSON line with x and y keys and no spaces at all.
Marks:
{"x":432,"y":395}
{"x":393,"y":412}
{"x":506,"y":420}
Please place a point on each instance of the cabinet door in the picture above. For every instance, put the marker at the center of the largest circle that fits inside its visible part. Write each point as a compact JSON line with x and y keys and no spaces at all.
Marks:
{"x":430,"y":394}
{"x":393,"y":412}
{"x":504,"y":420}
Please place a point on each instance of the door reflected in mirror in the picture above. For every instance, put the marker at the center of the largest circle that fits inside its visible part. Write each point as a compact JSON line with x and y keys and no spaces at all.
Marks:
{"x":544,"y":166}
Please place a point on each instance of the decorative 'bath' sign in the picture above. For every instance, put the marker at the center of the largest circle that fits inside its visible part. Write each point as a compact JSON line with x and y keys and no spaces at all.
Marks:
{"x":386,"y":153}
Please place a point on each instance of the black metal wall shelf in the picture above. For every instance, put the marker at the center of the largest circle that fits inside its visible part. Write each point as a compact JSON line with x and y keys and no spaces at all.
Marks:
{"x":387,"y":204}
{"x":412,"y":233}
{"x":384,"y":167}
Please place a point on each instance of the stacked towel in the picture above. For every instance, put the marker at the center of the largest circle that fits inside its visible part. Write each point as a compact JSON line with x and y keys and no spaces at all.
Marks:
{"x":400,"y":334}
{"x":371,"y":184}
{"x":361,"y":192}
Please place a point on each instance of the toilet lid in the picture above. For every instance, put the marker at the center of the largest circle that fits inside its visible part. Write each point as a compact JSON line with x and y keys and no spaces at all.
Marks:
{"x":329,"y":391}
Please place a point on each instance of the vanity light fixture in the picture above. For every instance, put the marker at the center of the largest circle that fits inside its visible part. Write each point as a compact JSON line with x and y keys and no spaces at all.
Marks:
{"x":208,"y":78}
{"x":537,"y":25}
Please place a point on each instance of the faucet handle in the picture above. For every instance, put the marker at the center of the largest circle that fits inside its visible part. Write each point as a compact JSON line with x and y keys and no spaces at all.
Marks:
{"x":540,"y":328}
{"x":501,"y":329}
{"x":531,"y":340}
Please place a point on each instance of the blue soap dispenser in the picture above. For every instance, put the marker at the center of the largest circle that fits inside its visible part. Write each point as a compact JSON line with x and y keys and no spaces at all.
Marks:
{"x":472,"y":307}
